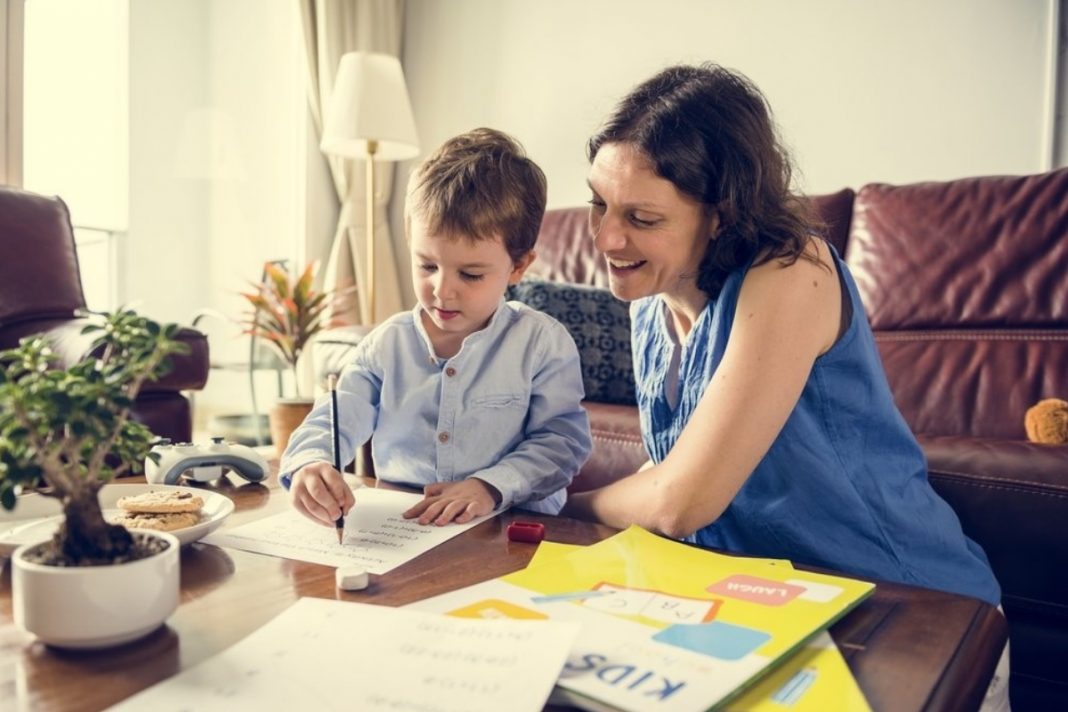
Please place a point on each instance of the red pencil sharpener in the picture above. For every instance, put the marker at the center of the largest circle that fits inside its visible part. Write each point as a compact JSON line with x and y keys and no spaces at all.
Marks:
{"x":529,"y":532}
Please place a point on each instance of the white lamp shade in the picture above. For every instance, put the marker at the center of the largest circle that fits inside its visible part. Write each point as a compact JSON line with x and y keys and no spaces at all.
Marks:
{"x":370,"y":103}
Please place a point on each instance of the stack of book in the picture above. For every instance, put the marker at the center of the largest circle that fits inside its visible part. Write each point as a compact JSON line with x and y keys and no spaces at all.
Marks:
{"x":664,"y":625}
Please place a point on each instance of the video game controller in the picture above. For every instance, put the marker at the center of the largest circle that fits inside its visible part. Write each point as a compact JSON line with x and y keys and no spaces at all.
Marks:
{"x":203,"y":463}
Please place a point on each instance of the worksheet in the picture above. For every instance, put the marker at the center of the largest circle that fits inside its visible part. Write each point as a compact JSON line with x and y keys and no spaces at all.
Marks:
{"x":376,"y":536}
{"x":339,"y":655}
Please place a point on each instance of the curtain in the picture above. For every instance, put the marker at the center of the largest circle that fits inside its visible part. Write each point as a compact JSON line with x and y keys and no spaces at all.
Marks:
{"x":332,"y":28}
{"x":11,"y":24}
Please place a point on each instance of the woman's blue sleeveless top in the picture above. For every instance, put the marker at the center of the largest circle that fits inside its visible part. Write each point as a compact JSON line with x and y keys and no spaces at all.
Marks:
{"x":844,"y":486}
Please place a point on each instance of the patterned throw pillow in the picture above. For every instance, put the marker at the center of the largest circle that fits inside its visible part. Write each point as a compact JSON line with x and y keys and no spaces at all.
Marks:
{"x":600,"y":325}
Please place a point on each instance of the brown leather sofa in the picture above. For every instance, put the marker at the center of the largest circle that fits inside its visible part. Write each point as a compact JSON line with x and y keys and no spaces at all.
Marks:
{"x":966,"y":287}
{"x":41,"y":293}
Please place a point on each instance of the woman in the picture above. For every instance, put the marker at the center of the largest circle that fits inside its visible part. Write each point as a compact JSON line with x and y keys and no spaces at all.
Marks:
{"x":764,"y":407}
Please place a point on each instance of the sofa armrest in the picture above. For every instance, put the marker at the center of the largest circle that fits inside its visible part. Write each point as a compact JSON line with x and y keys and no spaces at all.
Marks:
{"x":188,"y":372}
{"x":1021,"y":463}
{"x":1012,"y":498}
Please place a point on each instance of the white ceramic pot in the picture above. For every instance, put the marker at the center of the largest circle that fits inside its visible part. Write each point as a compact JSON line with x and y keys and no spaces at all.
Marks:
{"x":95,"y":606}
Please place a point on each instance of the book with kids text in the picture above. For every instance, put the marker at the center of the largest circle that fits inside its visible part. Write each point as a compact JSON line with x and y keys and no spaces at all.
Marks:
{"x":667,"y":626}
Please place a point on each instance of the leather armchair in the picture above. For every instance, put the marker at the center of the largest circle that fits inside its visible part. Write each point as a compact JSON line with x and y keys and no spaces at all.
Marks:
{"x":41,"y":293}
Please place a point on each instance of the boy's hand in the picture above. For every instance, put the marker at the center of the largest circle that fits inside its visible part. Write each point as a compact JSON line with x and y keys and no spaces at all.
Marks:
{"x":444,"y":502}
{"x":319,"y":493}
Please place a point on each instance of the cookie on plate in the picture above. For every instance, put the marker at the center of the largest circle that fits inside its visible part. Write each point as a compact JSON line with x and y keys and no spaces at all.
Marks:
{"x":161,"y":502}
{"x":164,"y":522}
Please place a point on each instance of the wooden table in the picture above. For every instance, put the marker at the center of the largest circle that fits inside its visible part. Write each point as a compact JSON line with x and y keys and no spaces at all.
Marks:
{"x":909,"y":648}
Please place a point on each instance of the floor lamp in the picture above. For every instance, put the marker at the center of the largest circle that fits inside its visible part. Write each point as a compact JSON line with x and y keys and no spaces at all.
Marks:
{"x":369,"y":116}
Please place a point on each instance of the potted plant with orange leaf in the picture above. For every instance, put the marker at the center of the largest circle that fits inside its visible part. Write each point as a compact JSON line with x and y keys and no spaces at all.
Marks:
{"x":287,"y":311}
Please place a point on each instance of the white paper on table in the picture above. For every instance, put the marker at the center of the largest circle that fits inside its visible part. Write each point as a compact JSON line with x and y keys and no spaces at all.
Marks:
{"x":338,"y":655}
{"x":614,"y":663}
{"x":376,"y":536}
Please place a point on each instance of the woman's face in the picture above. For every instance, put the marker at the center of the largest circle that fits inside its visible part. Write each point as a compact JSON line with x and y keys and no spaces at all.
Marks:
{"x":652,"y":235}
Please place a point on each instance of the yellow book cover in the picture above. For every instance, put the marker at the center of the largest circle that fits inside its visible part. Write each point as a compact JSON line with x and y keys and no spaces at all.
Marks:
{"x":814,"y":679}
{"x":664,"y":625}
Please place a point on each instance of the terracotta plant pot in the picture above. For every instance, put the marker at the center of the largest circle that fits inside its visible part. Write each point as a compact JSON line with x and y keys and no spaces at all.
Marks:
{"x":284,"y":418}
{"x":95,"y":606}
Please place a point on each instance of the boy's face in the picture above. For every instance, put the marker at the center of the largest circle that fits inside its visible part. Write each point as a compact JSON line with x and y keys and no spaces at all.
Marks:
{"x":459,"y":282}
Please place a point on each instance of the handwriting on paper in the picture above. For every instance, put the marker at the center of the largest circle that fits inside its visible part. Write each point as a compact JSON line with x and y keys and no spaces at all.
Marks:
{"x":376,"y":537}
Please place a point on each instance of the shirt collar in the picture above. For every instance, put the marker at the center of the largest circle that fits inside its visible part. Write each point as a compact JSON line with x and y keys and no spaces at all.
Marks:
{"x":492,"y":327}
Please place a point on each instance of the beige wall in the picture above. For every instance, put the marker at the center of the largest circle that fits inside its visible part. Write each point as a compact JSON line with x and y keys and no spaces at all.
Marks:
{"x":162,"y":269}
{"x":203,"y":220}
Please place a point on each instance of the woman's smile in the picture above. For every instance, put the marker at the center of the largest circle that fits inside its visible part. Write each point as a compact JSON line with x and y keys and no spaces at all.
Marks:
{"x":618,"y":265}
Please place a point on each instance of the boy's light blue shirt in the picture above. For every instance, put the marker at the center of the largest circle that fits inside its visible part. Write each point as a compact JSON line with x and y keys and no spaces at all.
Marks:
{"x":506,"y":408}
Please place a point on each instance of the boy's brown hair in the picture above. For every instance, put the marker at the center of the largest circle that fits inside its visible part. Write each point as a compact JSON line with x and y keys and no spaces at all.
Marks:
{"x":479,"y":185}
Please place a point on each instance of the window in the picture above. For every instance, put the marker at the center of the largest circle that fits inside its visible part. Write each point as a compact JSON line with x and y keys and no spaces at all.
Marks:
{"x":75,"y":126}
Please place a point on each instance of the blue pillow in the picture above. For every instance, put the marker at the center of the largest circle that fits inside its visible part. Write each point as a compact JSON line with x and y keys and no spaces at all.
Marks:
{"x":600,"y":325}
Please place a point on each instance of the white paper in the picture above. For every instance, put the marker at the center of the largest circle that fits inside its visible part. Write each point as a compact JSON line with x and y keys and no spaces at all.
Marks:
{"x":337,"y":655}
{"x":615,"y":663}
{"x":376,"y":536}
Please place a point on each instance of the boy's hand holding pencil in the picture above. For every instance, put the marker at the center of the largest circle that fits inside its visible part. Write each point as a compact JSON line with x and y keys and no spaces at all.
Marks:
{"x":319,"y":491}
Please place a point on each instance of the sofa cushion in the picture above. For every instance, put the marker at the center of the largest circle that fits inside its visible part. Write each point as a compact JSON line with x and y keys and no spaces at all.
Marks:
{"x":565,"y":250}
{"x":836,"y":211}
{"x":974,"y":253}
{"x":975,"y":383}
{"x":600,"y":325}
{"x":963,"y":282}
{"x":618,"y":449}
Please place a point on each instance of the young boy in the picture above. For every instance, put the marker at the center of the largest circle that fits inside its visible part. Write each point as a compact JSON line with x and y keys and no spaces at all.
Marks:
{"x":474,"y":398}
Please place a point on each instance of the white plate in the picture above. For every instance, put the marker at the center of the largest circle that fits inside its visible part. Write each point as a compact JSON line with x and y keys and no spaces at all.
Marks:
{"x":35,"y":517}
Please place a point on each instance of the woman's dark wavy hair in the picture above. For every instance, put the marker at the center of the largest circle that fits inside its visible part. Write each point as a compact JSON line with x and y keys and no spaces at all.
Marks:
{"x":709,"y":131}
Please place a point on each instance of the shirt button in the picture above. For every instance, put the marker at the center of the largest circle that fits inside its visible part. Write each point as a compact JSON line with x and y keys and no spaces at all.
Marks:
{"x":450,"y":371}
{"x":443,"y":437}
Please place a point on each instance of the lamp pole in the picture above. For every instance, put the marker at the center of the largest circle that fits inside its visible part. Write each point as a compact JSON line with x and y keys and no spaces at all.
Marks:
{"x":369,"y":117}
{"x":372,"y":148}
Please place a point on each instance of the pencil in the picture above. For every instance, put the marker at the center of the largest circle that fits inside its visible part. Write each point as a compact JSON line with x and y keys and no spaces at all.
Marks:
{"x":339,"y":525}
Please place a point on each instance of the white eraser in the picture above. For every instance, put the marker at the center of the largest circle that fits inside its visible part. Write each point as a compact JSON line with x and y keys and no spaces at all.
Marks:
{"x":351,"y":578}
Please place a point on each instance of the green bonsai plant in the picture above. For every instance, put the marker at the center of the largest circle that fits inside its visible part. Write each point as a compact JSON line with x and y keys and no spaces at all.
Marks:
{"x":70,"y":429}
{"x":288,"y":311}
